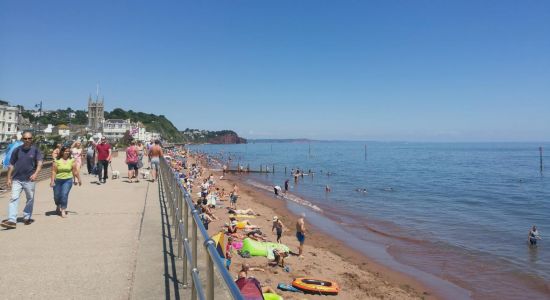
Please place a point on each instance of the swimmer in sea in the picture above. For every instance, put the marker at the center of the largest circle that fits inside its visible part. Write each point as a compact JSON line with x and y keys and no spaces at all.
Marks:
{"x":533,"y":236}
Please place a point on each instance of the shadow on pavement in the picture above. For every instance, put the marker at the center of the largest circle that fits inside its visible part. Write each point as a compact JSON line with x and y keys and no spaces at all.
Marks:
{"x":170,"y":275}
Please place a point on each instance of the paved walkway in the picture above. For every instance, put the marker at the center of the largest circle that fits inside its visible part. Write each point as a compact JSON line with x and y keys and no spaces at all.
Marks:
{"x":114,"y":244}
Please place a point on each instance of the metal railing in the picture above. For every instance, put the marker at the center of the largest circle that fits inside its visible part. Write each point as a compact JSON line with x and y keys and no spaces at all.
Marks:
{"x":184,"y":215}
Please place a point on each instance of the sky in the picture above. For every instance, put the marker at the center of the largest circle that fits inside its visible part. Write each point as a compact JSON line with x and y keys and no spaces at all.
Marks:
{"x":347,"y":70}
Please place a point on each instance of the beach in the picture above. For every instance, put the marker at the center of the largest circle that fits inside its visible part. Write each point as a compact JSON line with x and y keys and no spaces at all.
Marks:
{"x":324,"y":256}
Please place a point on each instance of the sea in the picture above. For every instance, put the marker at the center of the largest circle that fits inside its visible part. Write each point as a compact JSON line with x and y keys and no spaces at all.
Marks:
{"x":455,"y":216}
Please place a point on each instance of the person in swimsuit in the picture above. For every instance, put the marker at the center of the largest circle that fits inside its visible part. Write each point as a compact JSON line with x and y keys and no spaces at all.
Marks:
{"x":301,"y":234}
{"x":154,"y":154}
{"x":533,"y":236}
{"x":279,"y":227}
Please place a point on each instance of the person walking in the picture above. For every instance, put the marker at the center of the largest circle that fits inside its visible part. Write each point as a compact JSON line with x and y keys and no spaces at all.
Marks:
{"x":76,"y":154}
{"x":55,"y":152}
{"x":279,"y":227}
{"x":90,"y":157}
{"x":25,"y":165}
{"x":64,"y":173}
{"x":154,"y":154}
{"x":131,"y":161}
{"x":103,"y":159}
{"x":141,"y":151}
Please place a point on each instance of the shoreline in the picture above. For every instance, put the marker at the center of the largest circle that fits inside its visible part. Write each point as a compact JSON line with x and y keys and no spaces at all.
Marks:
{"x":359,"y":276}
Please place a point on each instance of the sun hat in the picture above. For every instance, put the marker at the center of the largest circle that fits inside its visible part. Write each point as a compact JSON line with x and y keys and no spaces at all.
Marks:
{"x":275,"y":218}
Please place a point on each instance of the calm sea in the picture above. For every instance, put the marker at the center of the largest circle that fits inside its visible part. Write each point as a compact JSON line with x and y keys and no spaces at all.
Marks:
{"x":454,"y":215}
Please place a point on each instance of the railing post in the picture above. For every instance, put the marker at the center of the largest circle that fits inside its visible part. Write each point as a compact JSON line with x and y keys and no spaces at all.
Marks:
{"x":194,"y":241}
{"x":209,"y":273}
{"x":179,"y":195}
{"x":193,"y":288}
{"x":185,"y":238}
{"x":184,"y":260}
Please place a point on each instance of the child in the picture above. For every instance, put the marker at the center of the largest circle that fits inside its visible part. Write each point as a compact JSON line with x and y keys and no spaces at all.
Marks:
{"x":278,"y":225}
{"x":233,"y":200}
{"x":228,"y":252}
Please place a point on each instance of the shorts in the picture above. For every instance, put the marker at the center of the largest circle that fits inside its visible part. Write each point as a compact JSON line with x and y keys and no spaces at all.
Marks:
{"x":234,"y":199}
{"x":533,"y":241}
{"x":301,"y":237}
{"x":132,"y":166}
{"x":279,"y":233}
{"x":155,"y":163}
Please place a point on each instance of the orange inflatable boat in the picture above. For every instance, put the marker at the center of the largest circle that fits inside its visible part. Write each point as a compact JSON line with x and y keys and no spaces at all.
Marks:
{"x":316,"y":286}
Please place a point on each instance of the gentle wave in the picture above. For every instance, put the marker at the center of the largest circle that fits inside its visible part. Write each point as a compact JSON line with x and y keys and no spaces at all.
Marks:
{"x":286,"y":196}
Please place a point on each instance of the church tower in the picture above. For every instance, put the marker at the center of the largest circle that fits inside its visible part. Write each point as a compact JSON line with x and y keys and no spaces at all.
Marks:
{"x":95,"y":114}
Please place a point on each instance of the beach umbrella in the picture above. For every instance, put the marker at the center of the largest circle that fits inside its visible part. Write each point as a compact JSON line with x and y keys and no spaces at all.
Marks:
{"x":219,"y":240}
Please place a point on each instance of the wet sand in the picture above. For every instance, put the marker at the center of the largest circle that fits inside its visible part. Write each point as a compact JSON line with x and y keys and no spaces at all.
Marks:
{"x":324,"y":256}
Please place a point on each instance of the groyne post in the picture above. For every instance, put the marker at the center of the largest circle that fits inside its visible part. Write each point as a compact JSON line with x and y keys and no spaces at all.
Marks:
{"x":273,"y":169}
{"x":285,"y":170}
{"x":540,"y":155}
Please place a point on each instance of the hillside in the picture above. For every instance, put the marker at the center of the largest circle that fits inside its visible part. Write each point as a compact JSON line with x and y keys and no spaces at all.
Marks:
{"x":195,"y":136}
{"x":151,"y":122}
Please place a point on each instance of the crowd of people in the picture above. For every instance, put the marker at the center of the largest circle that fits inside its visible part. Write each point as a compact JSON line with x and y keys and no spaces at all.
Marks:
{"x":25,"y":164}
{"x":212,"y":202}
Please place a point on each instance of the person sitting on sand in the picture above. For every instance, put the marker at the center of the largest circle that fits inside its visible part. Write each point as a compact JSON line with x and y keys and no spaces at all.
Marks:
{"x":232,"y":227}
{"x":205,"y":218}
{"x":533,"y":236}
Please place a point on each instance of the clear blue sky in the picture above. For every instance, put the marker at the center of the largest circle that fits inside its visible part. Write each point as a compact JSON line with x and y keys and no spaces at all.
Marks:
{"x":361,"y":70}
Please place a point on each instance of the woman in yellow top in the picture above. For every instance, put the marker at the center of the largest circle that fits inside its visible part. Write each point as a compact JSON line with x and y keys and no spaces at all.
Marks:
{"x":63,"y":170}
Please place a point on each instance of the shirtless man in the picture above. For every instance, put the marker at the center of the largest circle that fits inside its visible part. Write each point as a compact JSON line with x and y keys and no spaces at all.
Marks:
{"x":301,"y":234}
{"x":154,"y":154}
{"x":233,"y":197}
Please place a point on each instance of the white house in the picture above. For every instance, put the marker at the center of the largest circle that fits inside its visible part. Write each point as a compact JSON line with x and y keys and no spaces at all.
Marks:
{"x":63,"y":130}
{"x":9,"y":118}
{"x":114,"y":129}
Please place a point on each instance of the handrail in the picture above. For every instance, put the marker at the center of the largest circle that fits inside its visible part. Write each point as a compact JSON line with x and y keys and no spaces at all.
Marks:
{"x":181,"y":207}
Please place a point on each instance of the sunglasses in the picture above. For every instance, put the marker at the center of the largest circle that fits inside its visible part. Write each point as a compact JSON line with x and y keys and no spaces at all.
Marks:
{"x":27,"y":139}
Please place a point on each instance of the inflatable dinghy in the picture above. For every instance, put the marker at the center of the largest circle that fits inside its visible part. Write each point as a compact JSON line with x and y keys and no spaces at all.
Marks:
{"x":316,"y":286}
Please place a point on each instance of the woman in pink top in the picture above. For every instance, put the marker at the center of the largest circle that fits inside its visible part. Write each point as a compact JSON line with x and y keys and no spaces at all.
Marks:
{"x":131,"y":161}
{"x":76,"y":153}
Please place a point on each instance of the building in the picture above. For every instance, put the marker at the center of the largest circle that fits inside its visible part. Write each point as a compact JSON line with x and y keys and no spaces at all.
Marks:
{"x":114,"y":129}
{"x":9,"y":119}
{"x":96,"y":115}
{"x":63,"y":130}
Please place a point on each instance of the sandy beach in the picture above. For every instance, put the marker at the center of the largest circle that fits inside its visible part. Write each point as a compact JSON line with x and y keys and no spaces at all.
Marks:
{"x":324,"y":257}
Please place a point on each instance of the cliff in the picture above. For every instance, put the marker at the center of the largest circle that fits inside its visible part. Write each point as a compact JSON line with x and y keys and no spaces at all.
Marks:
{"x":196,"y":136}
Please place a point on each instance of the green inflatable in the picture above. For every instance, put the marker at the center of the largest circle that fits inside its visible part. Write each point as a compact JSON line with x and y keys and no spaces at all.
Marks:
{"x":255,"y":248}
{"x":271,"y":296}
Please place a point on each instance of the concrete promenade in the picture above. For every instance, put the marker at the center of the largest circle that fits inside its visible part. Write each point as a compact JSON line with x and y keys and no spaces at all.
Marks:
{"x":115,"y":244}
